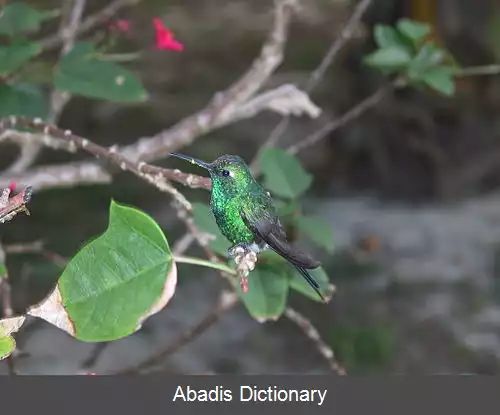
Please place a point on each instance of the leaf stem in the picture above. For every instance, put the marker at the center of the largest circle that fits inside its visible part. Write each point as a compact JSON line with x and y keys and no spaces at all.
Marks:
{"x":121,"y":57}
{"x":204,"y":263}
{"x":479,"y":70}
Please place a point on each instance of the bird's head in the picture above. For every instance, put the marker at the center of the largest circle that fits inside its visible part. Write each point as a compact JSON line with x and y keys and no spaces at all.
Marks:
{"x":227,"y":172}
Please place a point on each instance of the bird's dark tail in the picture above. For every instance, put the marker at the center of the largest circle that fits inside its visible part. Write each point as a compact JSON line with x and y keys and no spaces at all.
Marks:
{"x":299,"y":260}
{"x":311,"y":281}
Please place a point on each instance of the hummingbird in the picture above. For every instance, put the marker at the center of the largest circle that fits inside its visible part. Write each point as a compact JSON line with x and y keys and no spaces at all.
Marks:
{"x":246,"y":215}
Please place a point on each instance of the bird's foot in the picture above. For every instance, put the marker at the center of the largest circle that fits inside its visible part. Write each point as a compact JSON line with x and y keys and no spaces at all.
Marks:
{"x":239,"y":249}
{"x":236,"y":250}
{"x":245,"y":258}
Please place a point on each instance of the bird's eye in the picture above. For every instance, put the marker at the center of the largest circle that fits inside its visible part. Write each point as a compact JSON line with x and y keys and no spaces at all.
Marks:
{"x":226,"y":173}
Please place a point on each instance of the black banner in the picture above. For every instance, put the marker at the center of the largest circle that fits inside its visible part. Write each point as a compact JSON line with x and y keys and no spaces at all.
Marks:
{"x":296,"y":394}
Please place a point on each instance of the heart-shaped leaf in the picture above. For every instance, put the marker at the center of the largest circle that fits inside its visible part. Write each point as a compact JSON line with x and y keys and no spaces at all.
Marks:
{"x":114,"y":282}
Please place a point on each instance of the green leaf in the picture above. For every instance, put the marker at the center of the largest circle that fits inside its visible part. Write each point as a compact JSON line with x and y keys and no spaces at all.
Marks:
{"x":81,"y":72}
{"x":288,"y":208}
{"x":387,"y":37}
{"x":3,"y":270}
{"x":19,"y":17}
{"x":204,"y":219}
{"x":283,"y":173}
{"x":440,"y":79}
{"x":299,"y":284}
{"x":428,"y":56}
{"x":7,"y":346}
{"x":392,"y":58}
{"x":13,"y":56}
{"x":9,"y":326}
{"x":318,"y":230}
{"x":412,"y":29}
{"x":109,"y":286}
{"x":36,"y":72}
{"x":22,"y":100}
{"x":267,"y":290}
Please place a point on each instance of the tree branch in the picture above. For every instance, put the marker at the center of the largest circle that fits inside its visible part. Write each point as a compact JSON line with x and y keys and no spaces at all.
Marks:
{"x":68,"y":31}
{"x":89,"y":23}
{"x":227,"y":301}
{"x":318,"y":74}
{"x":11,"y":206}
{"x":224,"y":108}
{"x":350,"y":115}
{"x":72,"y":12}
{"x":76,"y":142}
{"x":223,"y":105}
{"x":310,"y":331}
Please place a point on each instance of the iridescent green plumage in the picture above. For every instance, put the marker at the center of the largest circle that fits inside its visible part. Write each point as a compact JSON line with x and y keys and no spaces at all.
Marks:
{"x":246,"y":215}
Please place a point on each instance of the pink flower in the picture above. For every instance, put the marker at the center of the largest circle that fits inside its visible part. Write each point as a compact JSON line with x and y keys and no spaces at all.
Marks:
{"x":165,"y":38}
{"x":12,"y":187}
{"x":121,"y":25}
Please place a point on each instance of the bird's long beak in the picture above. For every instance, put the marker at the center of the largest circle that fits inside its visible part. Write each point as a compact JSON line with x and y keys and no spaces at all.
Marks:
{"x":197,"y":162}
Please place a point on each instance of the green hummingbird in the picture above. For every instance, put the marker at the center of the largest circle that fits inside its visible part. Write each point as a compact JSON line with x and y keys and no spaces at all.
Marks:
{"x":246,"y":215}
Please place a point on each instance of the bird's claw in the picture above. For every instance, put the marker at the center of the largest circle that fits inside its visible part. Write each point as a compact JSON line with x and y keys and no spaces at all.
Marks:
{"x":236,"y":250}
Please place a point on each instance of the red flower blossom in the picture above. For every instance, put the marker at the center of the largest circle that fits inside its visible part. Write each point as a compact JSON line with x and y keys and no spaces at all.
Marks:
{"x":121,"y":25}
{"x":165,"y":38}
{"x":12,"y":186}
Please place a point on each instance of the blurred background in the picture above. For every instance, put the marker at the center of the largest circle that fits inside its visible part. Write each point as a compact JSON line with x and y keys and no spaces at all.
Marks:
{"x":411,"y":190}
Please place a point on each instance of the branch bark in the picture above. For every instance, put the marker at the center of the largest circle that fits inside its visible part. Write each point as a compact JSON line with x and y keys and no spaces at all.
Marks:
{"x":318,"y":74}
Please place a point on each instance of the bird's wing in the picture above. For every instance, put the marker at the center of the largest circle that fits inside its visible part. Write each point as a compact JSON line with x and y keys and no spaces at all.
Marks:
{"x":269,"y":229}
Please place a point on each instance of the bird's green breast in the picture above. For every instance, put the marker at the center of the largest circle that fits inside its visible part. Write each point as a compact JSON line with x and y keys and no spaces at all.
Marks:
{"x":227,"y":215}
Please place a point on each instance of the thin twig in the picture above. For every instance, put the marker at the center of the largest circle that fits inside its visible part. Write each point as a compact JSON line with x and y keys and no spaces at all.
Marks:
{"x":89,"y":23}
{"x":312,"y":333}
{"x":346,"y":34}
{"x":183,"y":243}
{"x":72,"y":12}
{"x":60,"y":176}
{"x":318,"y":74}
{"x":11,"y":206}
{"x":96,"y":150}
{"x":68,"y":32}
{"x":478,"y":70}
{"x":227,"y":301}
{"x":222,"y":109}
{"x":350,"y":115}
{"x":218,"y":111}
{"x":93,"y":357}
{"x":35,"y":247}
